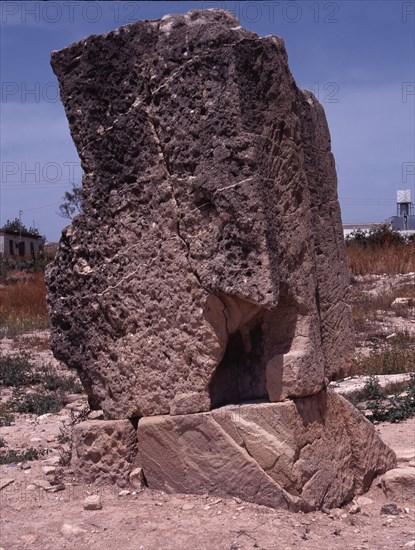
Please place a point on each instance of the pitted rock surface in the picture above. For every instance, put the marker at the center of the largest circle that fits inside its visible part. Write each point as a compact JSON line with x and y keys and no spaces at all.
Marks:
{"x":104,"y":451}
{"x":208,"y":266}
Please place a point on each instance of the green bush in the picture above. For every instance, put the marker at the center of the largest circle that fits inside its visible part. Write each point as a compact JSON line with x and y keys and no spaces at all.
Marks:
{"x":395,"y":408}
{"x":53,"y":382}
{"x":15,"y":370}
{"x":381,"y":236}
{"x":371,"y":390}
{"x":6,"y":418}
{"x":37,"y":403}
{"x":12,"y":456}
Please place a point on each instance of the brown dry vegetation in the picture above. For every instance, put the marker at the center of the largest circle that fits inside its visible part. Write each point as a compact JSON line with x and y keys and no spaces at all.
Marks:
{"x":388,"y":259}
{"x":368,"y":308}
{"x":23,"y":305}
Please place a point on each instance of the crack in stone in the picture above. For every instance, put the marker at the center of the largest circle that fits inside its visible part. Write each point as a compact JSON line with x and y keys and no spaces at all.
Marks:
{"x":174,"y":196}
{"x":225,"y":307}
{"x":233,"y":185}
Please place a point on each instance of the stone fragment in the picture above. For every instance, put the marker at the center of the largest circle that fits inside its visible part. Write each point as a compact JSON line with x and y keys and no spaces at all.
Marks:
{"x":404,"y":301}
{"x":306,"y":453}
{"x":55,"y":488}
{"x":124,"y":493}
{"x":42,"y":483}
{"x":217,"y":265}
{"x":137,"y":479}
{"x":93,"y":502}
{"x":77,"y":406}
{"x":69,"y":529}
{"x":390,"y":509}
{"x":71,"y":398}
{"x":96,"y":415}
{"x":48,"y":470}
{"x":52,"y":460}
{"x":399,"y":484}
{"x":103,"y":451}
{"x":188,"y":506}
{"x":354,"y":509}
{"x":363,"y":501}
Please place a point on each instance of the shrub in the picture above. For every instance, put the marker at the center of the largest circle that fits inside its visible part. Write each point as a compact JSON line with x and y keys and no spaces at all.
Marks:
{"x":395,"y":408}
{"x":37,"y":403}
{"x":386,"y":408}
{"x":381,"y":236}
{"x":15,"y":370}
{"x":371,"y":390}
{"x":6,"y":418}
{"x":53,"y":382}
{"x":12,"y":456}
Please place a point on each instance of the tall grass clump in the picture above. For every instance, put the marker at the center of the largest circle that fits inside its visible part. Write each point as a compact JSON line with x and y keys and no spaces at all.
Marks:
{"x":23,"y":305}
{"x":396,"y":356}
{"x":380,"y":251}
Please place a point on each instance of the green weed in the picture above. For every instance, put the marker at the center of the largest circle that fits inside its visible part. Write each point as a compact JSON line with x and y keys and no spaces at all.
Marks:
{"x":36,"y":403}
{"x":386,"y":408}
{"x":12,"y":456}
{"x":15,"y":370}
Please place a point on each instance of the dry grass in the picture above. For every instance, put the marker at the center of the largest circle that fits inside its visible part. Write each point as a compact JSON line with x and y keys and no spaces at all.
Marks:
{"x":368,"y":309}
{"x":388,"y":259}
{"x":33,"y":343}
{"x":23,"y":305}
{"x":392,"y":358}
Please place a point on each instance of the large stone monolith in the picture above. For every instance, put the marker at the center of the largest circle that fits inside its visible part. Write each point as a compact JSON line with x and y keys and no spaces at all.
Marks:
{"x":208,"y":265}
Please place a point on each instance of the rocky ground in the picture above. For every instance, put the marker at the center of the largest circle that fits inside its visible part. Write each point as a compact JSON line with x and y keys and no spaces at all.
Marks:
{"x":42,"y":503}
{"x":35,"y":517}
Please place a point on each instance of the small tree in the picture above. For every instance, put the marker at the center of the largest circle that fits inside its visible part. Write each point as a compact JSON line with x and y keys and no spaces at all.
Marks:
{"x":72,"y":203}
{"x":18,"y":227}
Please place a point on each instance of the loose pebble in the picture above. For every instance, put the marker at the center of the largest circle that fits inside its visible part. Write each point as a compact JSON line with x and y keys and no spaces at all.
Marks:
{"x":93,"y":502}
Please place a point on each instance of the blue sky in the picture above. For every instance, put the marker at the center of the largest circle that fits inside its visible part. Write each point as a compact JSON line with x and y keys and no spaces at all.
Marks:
{"x":356,"y":56}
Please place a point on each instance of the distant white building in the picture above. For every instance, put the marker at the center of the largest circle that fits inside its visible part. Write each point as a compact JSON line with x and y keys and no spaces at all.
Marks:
{"x":14,"y":245}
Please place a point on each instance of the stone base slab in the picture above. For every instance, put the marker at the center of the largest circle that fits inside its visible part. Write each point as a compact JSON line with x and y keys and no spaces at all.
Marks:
{"x":304,"y":453}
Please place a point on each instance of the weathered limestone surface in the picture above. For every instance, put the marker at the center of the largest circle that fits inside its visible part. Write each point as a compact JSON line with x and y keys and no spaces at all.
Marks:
{"x":303,"y":453}
{"x":208,"y":266}
{"x":104,"y":451}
